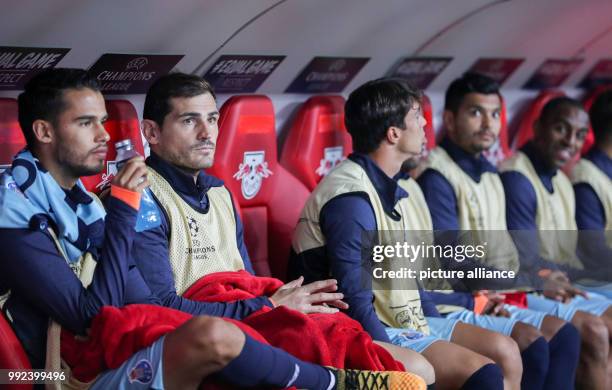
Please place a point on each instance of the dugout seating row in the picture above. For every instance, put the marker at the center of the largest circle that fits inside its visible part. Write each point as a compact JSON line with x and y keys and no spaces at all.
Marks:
{"x":269,"y":192}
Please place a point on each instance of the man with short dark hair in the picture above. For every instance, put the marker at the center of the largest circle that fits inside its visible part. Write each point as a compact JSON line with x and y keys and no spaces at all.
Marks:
{"x":360,"y":198}
{"x":593,"y":190}
{"x":464,"y":192}
{"x":180,"y":123}
{"x":55,"y":234}
{"x":540,"y":198}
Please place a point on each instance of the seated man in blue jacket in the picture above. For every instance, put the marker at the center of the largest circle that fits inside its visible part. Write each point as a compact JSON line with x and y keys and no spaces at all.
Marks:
{"x":540,"y":198}
{"x":54,"y":233}
{"x":181,"y":126}
{"x":361,"y":197}
{"x":592,"y":182}
{"x":464,"y":193}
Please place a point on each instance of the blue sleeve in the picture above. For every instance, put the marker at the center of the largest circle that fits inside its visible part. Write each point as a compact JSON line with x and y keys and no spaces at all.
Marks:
{"x":151,"y":254}
{"x":521,"y":201}
{"x":343,"y":221}
{"x":240,"y":240}
{"x":590,"y":214}
{"x":591,"y":221}
{"x":521,"y":210}
{"x":442,"y":203}
{"x":428,"y":305}
{"x":32,"y":268}
{"x":441,"y":199}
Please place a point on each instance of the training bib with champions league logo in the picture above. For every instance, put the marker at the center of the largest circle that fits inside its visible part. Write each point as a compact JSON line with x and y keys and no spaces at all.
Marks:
{"x":396,"y":305}
{"x":200,"y":244}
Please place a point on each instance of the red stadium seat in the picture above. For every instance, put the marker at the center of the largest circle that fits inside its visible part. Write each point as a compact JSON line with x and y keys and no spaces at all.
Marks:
{"x":270,"y":197}
{"x":317,"y":140}
{"x":430,"y":133}
{"x":524,"y":130}
{"x":11,"y":137}
{"x":501,"y":150}
{"x":122,"y":123}
{"x":588,"y":102}
{"x":12,"y":355}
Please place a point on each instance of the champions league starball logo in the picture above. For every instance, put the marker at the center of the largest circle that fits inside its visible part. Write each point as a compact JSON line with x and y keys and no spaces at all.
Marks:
{"x":137,"y":63}
{"x":193,"y":227}
{"x":251,"y":172}
{"x":331,"y":157}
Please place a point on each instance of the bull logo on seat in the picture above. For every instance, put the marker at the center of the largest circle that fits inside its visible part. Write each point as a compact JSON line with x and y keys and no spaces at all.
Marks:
{"x":331,"y":157}
{"x":251,"y":172}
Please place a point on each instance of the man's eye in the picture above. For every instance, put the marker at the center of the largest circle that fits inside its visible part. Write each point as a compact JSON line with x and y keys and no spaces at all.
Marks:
{"x":85,"y":124}
{"x":212,"y":120}
{"x":496,"y":114}
{"x":188,"y":121}
{"x":560,"y":128}
{"x":475,"y":112}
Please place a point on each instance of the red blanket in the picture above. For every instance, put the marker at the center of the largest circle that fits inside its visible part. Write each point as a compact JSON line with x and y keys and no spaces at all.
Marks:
{"x":332,"y":340}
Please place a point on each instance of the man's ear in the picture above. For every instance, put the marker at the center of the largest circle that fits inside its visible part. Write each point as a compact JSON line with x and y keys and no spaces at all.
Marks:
{"x":393,"y":134}
{"x":43,"y":131}
{"x":448,"y":117}
{"x":151,"y":131}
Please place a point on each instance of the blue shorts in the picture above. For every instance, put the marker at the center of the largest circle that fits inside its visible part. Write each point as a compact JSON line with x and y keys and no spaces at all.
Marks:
{"x":143,"y":370}
{"x":440,"y":329}
{"x":410,"y":339}
{"x":501,"y":325}
{"x":603,"y":289}
{"x":596,"y":305}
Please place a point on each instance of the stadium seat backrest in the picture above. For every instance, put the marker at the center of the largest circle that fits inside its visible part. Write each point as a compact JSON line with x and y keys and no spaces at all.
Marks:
{"x":12,"y":355}
{"x":524,"y":130}
{"x":588,"y":102}
{"x":270,"y":197}
{"x":317,"y":140}
{"x":430,"y":133}
{"x":11,"y":136}
{"x":122,"y":123}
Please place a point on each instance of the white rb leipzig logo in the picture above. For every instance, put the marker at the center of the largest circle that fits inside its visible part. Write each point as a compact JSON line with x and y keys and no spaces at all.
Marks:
{"x":251,"y":172}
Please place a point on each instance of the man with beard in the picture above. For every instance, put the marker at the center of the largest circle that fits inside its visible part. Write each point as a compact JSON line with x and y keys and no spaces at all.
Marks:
{"x":65,"y":258}
{"x":540,"y":197}
{"x":358,"y":203}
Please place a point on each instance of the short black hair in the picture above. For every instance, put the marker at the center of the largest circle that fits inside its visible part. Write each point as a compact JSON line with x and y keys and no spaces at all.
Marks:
{"x":43,"y":96}
{"x":468,"y":83}
{"x":554,"y":104}
{"x":172,"y":85}
{"x":601,"y":117}
{"x":374,"y":107}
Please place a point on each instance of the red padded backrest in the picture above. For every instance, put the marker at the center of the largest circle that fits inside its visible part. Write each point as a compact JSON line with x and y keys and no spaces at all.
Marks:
{"x":501,"y":150}
{"x":122,"y":123}
{"x":588,"y":102}
{"x":430,"y":133}
{"x":11,"y":136}
{"x":524,"y":130}
{"x":12,"y":355}
{"x":270,"y":197}
{"x":317,"y":140}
